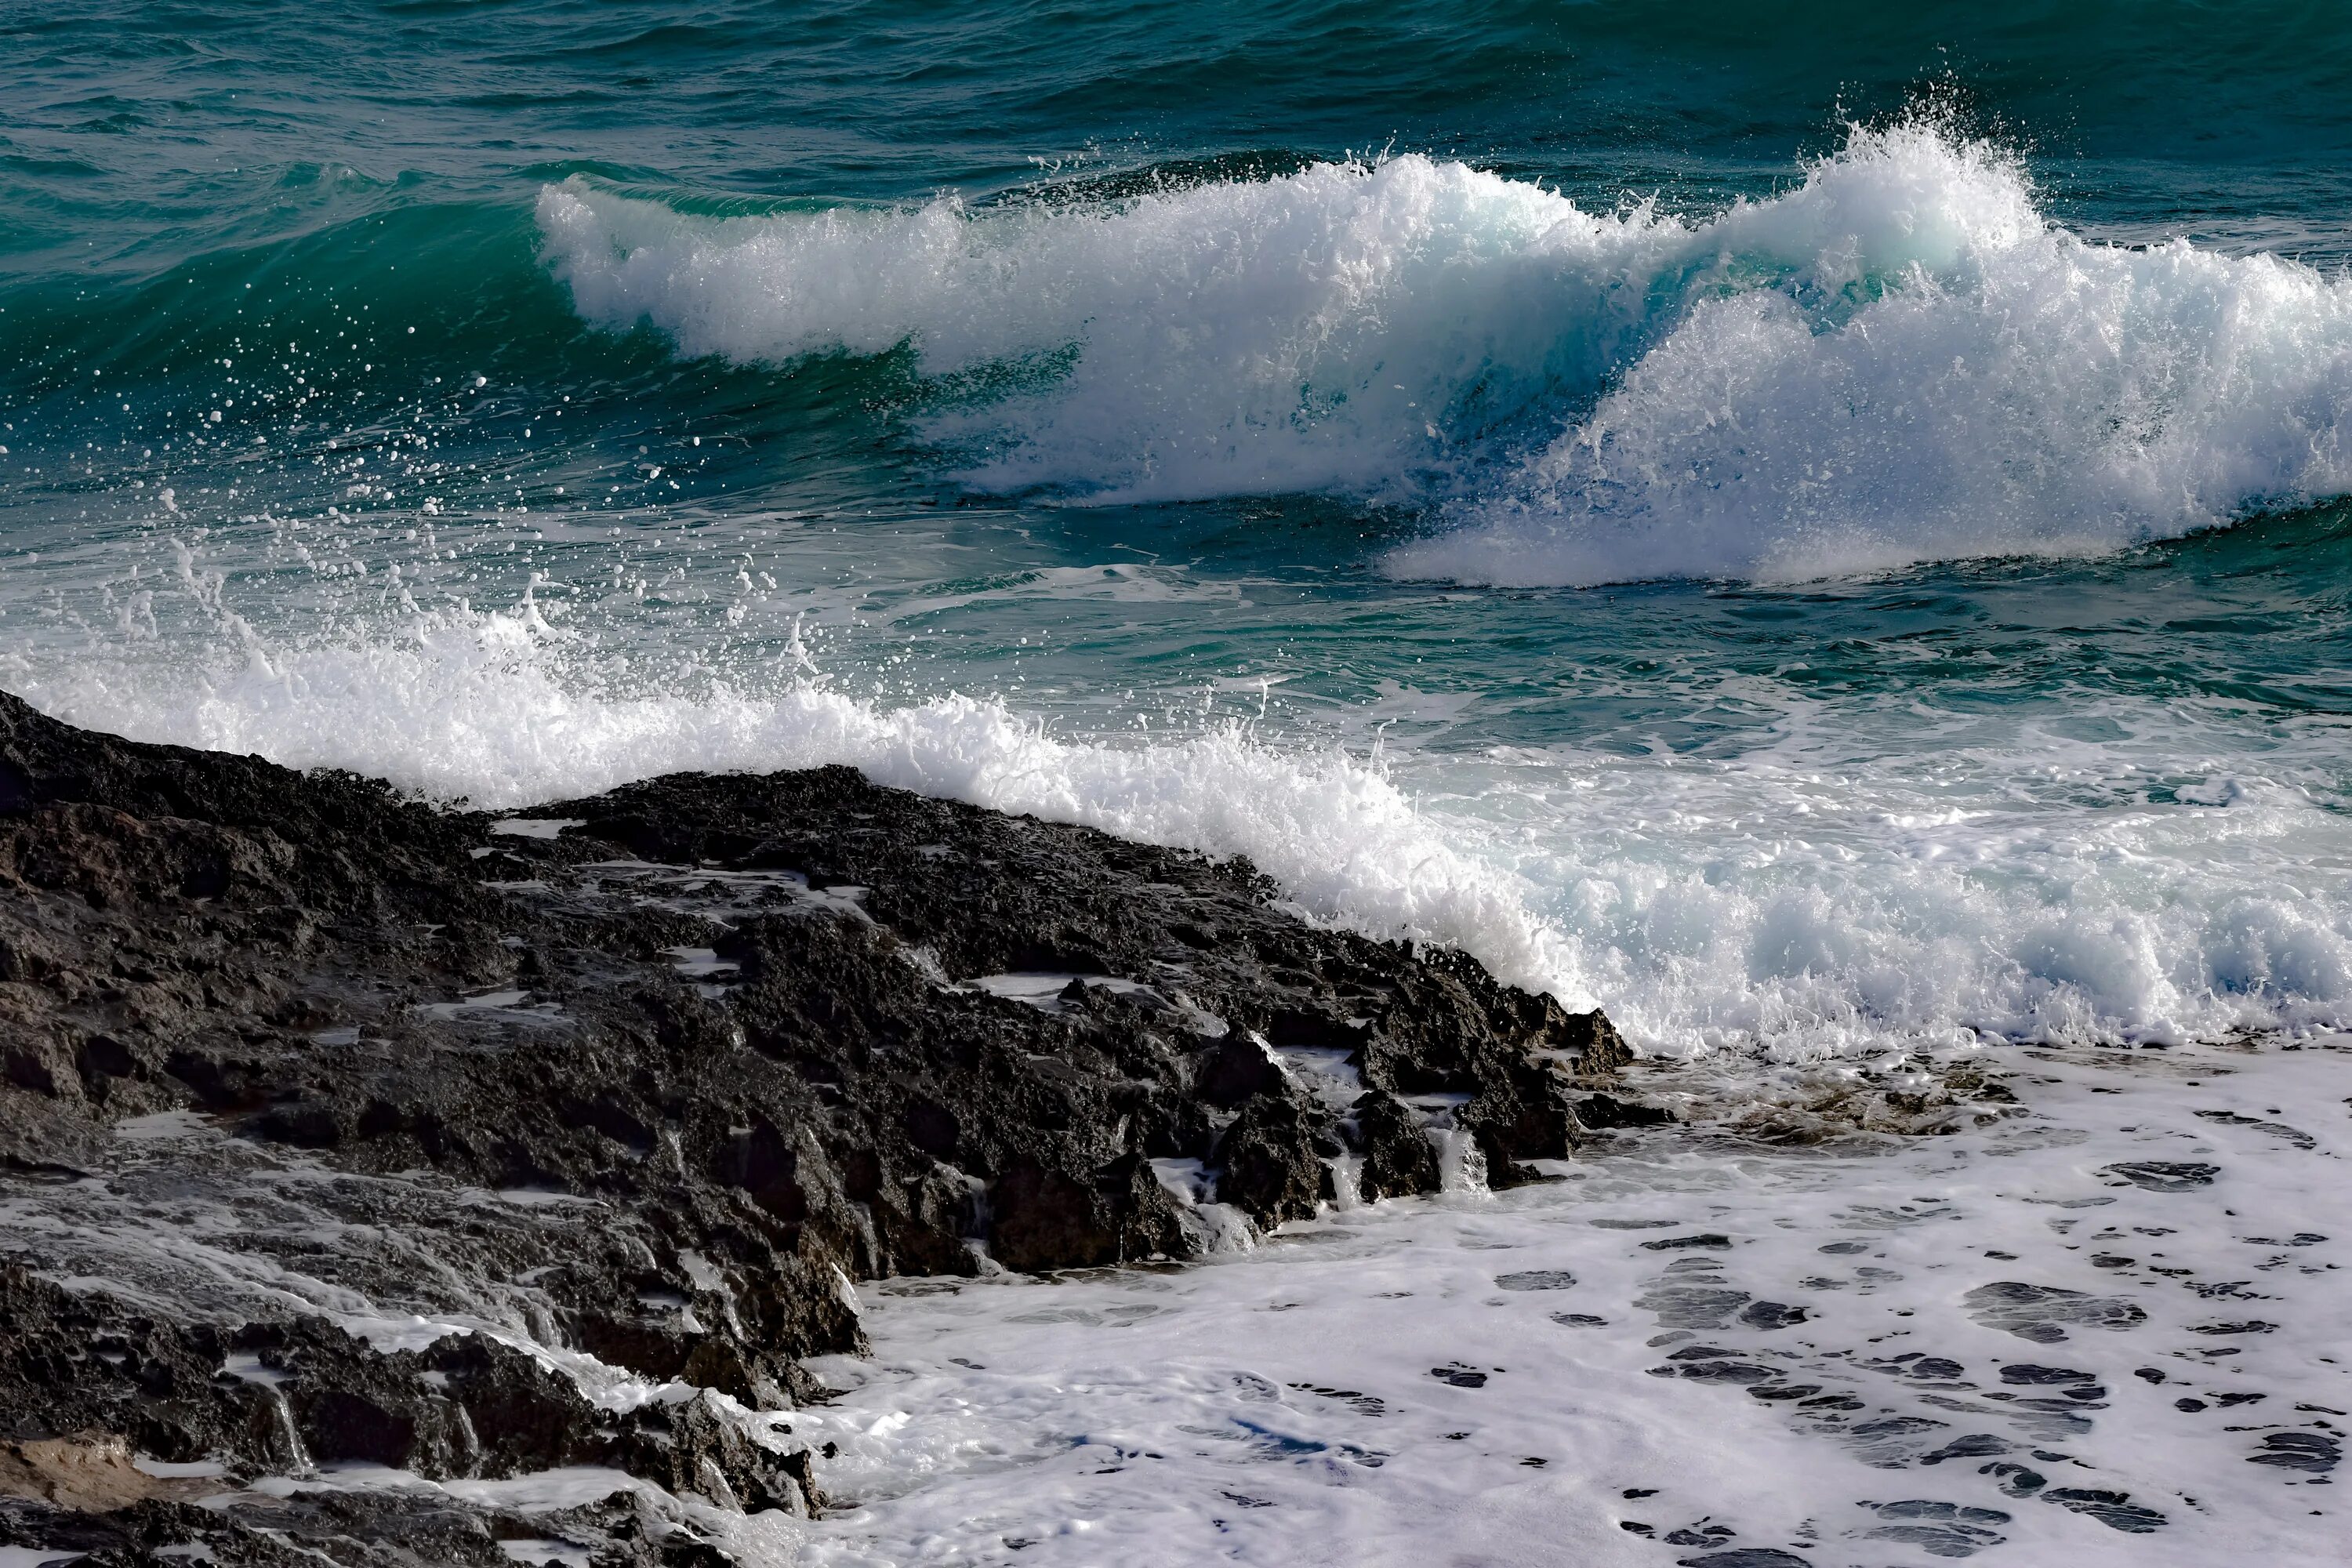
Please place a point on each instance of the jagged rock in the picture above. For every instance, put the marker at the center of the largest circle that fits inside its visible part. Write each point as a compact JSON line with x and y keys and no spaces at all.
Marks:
{"x":1398,"y":1157}
{"x":1236,"y":1068}
{"x":74,"y":1361}
{"x":691,"y":1445}
{"x":1269,"y":1161}
{"x":657,"y":1087}
{"x":1602,"y":1112}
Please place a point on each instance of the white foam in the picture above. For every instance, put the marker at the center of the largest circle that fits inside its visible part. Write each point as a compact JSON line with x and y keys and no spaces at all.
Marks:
{"x":1899,"y":359}
{"x":1948,"y":376}
{"x":1855,"y":884}
{"x":1385,"y":1388}
{"x":484,"y":708}
{"x":1322,"y":330}
{"x":1856,"y":878}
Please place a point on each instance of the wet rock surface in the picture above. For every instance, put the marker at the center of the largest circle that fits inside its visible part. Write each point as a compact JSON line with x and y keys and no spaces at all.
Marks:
{"x":353,"y":1149}
{"x":1717,"y":1343}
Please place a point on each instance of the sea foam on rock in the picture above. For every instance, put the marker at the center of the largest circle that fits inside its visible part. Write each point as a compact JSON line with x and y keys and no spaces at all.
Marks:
{"x":338,"y":1130}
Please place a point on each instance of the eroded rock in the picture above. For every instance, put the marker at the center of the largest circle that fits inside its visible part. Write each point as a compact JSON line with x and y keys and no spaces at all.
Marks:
{"x":648,"y":1088}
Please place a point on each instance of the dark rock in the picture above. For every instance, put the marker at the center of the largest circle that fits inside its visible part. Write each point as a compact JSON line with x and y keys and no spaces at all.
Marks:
{"x":2162,"y":1176}
{"x":1601,"y":1112}
{"x":1502,"y":1053}
{"x":1398,"y":1156}
{"x":74,"y":1362}
{"x":1046,"y":1219}
{"x":1234,"y":1069}
{"x":1270,"y":1163}
{"x":691,"y":1445}
{"x":454,"y":1076}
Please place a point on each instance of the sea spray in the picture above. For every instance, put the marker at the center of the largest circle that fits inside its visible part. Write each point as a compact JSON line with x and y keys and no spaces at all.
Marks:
{"x":1900,"y":359}
{"x":1865,"y":880}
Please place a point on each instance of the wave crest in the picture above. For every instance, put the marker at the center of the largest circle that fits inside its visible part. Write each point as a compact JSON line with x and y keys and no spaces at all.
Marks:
{"x":1346,"y":328}
{"x":2011,"y":389}
{"x":1900,"y":359}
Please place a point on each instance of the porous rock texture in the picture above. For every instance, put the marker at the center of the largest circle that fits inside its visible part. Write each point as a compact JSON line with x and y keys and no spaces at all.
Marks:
{"x":352,"y":1145}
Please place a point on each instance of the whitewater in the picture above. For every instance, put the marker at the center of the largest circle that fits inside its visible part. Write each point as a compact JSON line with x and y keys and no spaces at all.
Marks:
{"x":1897,"y":361}
{"x":1900,"y":360}
{"x":1819,"y":893}
{"x":1834,"y":552}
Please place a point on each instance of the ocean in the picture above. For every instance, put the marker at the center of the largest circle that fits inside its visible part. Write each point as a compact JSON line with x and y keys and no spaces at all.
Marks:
{"x":1820,"y":530}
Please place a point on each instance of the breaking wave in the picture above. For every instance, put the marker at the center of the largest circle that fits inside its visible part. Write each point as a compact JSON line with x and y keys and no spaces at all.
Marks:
{"x":1901,"y":359}
{"x":1832,"y":894}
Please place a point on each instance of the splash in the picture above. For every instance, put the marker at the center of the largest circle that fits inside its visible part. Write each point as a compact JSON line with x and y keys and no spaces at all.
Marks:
{"x":1862,"y":883}
{"x":1946,"y":376}
{"x":1899,"y":360}
{"x":499,"y":711}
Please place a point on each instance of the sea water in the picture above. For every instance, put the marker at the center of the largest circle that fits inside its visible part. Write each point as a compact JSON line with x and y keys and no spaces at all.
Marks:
{"x":1820,"y":532}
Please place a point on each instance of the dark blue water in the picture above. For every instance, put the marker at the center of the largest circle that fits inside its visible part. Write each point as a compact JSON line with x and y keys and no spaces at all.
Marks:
{"x":1814,"y":527}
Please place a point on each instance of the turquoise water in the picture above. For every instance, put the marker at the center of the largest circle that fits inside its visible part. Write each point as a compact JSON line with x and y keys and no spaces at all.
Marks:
{"x":1817,"y":530}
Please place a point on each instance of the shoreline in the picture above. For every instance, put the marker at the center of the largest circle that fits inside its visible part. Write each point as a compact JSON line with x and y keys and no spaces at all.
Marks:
{"x":605,"y":1107}
{"x":379,"y":1177}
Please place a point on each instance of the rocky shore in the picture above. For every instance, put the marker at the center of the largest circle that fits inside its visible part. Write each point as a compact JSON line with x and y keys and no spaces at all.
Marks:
{"x":400,"y":1184}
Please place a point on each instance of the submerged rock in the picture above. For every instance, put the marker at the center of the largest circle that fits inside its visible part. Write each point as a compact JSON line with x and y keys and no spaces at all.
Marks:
{"x":341,"y":1128}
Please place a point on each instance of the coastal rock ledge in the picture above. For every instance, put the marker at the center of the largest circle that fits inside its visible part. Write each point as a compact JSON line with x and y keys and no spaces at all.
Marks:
{"x":389,"y":1184}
